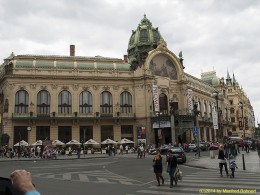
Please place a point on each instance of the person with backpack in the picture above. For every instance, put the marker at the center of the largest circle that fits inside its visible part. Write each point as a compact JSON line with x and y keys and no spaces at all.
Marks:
{"x":172,"y":165}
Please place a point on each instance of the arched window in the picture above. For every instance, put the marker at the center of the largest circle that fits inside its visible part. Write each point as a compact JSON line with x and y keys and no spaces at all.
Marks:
{"x":64,"y":105}
{"x":125,"y":102}
{"x":21,"y":101}
{"x":85,"y":102}
{"x":106,"y":103}
{"x":163,"y":102}
{"x":43,"y":102}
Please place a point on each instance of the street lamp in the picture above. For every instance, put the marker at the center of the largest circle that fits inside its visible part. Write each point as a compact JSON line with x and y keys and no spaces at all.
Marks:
{"x":243,"y":125}
{"x":196,"y":113}
{"x":216,"y":95}
{"x":159,"y":131}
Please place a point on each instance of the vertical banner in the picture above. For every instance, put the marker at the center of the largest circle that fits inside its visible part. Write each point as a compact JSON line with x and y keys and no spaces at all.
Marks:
{"x":156,"y":98}
{"x":215,"y":119}
{"x":189,"y":100}
{"x":141,"y":135}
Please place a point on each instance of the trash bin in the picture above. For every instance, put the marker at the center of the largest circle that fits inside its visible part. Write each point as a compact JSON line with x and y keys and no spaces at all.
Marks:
{"x":211,"y":154}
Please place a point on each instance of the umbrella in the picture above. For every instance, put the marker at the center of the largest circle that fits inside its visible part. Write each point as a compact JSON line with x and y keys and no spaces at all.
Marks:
{"x":73,"y":142}
{"x":57,"y":143}
{"x":37,"y":143}
{"x":126,"y":141}
{"x":22,"y":143}
{"x":108,"y":141}
{"x":91,"y":141}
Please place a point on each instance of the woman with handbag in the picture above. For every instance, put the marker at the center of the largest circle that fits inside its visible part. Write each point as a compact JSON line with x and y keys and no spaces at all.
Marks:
{"x":157,"y":167}
{"x":222,"y":160}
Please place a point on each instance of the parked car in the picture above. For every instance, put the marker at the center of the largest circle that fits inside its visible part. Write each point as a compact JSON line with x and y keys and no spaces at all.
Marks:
{"x":179,"y":153}
{"x":193,"y":147}
{"x":164,"y":149}
{"x":214,"y":147}
{"x":203,"y":146}
{"x":153,"y":151}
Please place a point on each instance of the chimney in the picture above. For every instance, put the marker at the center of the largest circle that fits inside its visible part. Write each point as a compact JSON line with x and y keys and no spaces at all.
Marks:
{"x":125,"y":58}
{"x":72,"y":50}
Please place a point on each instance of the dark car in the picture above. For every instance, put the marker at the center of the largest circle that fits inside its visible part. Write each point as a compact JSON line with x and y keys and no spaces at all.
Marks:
{"x":179,"y":153}
{"x":164,"y":149}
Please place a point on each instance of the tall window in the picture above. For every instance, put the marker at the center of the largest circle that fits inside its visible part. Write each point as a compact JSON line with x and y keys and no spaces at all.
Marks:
{"x":21,"y":101}
{"x":64,"y":102}
{"x":125,"y":102}
{"x":163,"y":102}
{"x":43,"y":102}
{"x":85,"y":102}
{"x":143,"y":35}
{"x":106,"y":102}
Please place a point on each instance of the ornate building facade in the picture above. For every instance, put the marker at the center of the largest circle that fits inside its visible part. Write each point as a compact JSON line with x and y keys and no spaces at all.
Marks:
{"x":75,"y":97}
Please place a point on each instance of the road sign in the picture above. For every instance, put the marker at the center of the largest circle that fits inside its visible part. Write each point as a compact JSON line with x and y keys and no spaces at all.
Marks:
{"x":195,"y":131}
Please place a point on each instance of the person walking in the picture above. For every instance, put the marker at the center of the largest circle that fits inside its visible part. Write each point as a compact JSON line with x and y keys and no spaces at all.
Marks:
{"x":258,"y":149}
{"x":78,"y":151}
{"x":158,"y":167}
{"x":232,"y":166}
{"x":172,"y":165}
{"x":222,"y":160}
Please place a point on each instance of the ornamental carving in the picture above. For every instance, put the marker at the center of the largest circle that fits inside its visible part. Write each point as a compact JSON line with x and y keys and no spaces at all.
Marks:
{"x":44,"y":87}
{"x":126,"y":88}
{"x":33,"y":86}
{"x":75,"y":87}
{"x":65,"y":88}
{"x":54,"y":86}
{"x":86,"y":88}
{"x":95,"y":87}
{"x":115,"y":87}
{"x":106,"y":88}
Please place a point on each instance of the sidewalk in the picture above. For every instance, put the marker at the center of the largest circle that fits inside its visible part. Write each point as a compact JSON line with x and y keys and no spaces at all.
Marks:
{"x":252,"y":163}
{"x":61,"y":157}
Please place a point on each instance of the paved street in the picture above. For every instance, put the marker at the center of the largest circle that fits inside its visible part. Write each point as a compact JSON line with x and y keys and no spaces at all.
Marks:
{"x":127,"y":175}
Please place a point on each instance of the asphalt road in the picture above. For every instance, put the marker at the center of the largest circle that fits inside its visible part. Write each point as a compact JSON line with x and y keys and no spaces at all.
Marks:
{"x":114,"y":175}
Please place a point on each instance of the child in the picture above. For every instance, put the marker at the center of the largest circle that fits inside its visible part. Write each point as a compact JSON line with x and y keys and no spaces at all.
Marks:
{"x":232,"y":166}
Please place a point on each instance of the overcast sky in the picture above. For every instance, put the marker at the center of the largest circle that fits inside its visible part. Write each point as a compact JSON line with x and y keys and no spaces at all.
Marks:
{"x":215,"y":35}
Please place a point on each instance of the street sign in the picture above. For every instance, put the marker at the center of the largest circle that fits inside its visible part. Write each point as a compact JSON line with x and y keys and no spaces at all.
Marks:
{"x":195,"y":131}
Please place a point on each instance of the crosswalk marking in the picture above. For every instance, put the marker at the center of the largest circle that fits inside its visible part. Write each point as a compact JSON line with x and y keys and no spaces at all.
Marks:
{"x":94,"y":176}
{"x":206,"y":179}
{"x":83,"y":177}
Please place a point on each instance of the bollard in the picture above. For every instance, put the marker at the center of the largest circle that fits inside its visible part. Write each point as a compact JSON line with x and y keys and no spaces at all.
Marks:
{"x":243,"y":159}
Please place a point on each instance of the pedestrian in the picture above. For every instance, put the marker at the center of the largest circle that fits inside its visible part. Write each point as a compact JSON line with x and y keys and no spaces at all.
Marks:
{"x":172,"y":165}
{"x":222,"y":160}
{"x":126,"y":149}
{"x":158,"y":167}
{"x":232,"y":166}
{"x":258,"y":149}
{"x":78,"y":151}
{"x":121,"y":149}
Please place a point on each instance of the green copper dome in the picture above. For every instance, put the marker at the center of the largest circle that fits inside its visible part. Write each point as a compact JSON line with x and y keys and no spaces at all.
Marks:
{"x":142,"y":40}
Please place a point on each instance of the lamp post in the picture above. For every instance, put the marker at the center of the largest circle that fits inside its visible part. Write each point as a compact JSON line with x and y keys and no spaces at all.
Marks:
{"x":243,"y":124}
{"x":219,"y":133}
{"x":159,"y":126}
{"x":172,"y":111}
{"x":196,"y":113}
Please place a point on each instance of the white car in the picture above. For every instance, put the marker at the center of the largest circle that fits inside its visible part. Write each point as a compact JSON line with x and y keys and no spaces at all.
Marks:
{"x":193,"y":147}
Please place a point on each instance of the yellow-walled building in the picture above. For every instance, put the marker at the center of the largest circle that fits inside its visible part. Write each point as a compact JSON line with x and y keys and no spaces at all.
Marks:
{"x":145,"y":97}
